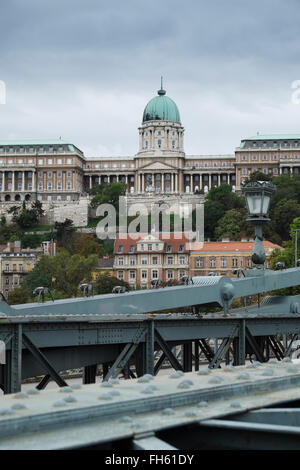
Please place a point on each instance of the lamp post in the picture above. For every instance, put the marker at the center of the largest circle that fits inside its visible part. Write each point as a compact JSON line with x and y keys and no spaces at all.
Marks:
{"x":258,"y":197}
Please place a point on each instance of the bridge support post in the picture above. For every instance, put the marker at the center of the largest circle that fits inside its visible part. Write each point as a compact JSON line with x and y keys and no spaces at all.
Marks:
{"x":187,"y":357}
{"x":89,"y":374}
{"x":239,"y":345}
{"x":149,"y":356}
{"x":16,"y":361}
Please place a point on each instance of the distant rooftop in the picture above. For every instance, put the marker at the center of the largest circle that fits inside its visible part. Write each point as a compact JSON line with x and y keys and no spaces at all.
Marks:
{"x":273,"y":137}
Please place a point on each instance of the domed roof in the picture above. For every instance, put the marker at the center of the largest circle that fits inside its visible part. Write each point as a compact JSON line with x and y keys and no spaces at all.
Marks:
{"x":161,"y":108}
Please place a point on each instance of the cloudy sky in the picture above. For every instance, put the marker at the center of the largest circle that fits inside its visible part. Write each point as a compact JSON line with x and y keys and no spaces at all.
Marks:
{"x":85,"y":69}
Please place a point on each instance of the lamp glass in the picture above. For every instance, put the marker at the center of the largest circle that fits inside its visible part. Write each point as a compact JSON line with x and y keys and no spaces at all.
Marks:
{"x":266,"y":204}
{"x":254,"y":201}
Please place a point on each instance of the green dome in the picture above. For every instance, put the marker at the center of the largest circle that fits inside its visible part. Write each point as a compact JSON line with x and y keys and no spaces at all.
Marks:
{"x":161,"y":108}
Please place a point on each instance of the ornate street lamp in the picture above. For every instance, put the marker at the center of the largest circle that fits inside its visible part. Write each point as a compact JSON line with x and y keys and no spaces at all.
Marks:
{"x":258,"y":197}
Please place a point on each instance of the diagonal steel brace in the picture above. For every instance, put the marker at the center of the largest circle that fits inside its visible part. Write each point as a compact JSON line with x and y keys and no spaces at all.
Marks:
{"x":125,"y":354}
{"x":165,"y":349}
{"x":39,"y":356}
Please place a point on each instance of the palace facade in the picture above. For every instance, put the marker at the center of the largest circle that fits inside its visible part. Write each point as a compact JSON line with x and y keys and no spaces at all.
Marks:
{"x":58,"y":171}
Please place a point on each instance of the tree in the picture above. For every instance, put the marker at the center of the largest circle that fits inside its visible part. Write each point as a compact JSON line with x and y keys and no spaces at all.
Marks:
{"x":258,"y":176}
{"x":65,"y":233}
{"x":284,"y":214}
{"x":108,"y":194}
{"x":86,"y":244}
{"x":63,"y":273}
{"x":105,"y":283}
{"x":27,"y":217}
{"x":213,"y":212}
{"x":224,"y":195}
{"x":233,"y":225}
{"x":17,"y":296}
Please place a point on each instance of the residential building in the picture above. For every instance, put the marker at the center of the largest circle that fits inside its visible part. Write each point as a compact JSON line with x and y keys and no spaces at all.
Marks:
{"x":149,"y":257}
{"x":222,"y":258}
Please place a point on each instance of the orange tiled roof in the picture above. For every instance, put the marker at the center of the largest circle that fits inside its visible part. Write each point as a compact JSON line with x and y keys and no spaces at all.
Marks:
{"x":171,"y":240}
{"x":229,"y":246}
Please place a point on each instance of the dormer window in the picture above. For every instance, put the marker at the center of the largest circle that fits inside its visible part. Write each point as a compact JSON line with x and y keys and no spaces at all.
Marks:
{"x":181,"y":248}
{"x":120,"y":249}
{"x":169,"y":249}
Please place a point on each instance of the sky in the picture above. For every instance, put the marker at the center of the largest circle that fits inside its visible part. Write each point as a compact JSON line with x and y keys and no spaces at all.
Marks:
{"x":84,"y":70}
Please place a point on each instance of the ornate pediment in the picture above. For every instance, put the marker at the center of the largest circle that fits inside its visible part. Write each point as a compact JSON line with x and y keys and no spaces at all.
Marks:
{"x":157,"y":165}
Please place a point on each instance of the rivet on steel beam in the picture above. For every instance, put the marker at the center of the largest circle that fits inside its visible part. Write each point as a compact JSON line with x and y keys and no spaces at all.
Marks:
{"x":292,"y":368}
{"x":147,"y":390}
{"x":33,"y":391}
{"x":257,"y":363}
{"x":70,"y":399}
{"x":75,"y":386}
{"x":66,"y":389}
{"x":206,"y":371}
{"x":60,"y":403}
{"x":106,"y":384}
{"x":243,"y":376}
{"x":126,"y":419}
{"x":273,"y":361}
{"x":105,"y":396}
{"x":6,"y":412}
{"x":228,"y":368}
{"x":115,"y":393}
{"x":168,"y":411}
{"x":235,"y":404}
{"x":202,"y":404}
{"x":176,"y":375}
{"x":19,"y":406}
{"x":185,"y":384}
{"x":21,"y":395}
{"x":190,"y":413}
{"x":251,"y":366}
{"x":268,"y":372}
{"x":215,"y":380}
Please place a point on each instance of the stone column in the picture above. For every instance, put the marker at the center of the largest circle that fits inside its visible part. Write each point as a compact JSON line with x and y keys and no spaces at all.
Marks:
{"x":176,"y":182}
{"x":219,"y":179}
{"x":33,"y":181}
{"x":3,"y":181}
{"x":153,"y":182}
{"x":13,"y":181}
{"x":162,"y":188}
{"x":172,"y":183}
{"x":209,"y":181}
{"x":143,"y":182}
{"x":23,"y":181}
{"x":228,"y":178}
{"x":91,"y":183}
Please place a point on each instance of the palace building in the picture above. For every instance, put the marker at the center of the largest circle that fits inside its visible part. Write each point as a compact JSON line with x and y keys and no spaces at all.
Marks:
{"x":57,"y":171}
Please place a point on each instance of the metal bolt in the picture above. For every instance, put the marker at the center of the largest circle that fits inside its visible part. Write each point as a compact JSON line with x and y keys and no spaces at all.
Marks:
{"x":115,"y":393}
{"x":292,"y":368}
{"x":228,"y":368}
{"x":147,"y":390}
{"x":70,"y":399}
{"x":268,"y":372}
{"x":243,"y":376}
{"x":6,"y":412}
{"x":185,"y":384}
{"x":202,"y":404}
{"x":76,"y":386}
{"x":21,"y":395}
{"x":105,"y":396}
{"x":33,"y":391}
{"x":176,"y":375}
{"x":18,"y":406}
{"x":168,"y":411}
{"x":66,"y":389}
{"x":106,"y":384}
{"x":216,"y":380}
{"x":60,"y":403}
{"x":204,"y":371}
{"x":235,"y":404}
{"x":190,"y":413}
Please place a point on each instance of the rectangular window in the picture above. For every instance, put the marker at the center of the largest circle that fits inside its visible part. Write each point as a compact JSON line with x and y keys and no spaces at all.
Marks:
{"x":120,"y":260}
{"x":154,"y":274}
{"x":170,"y":275}
{"x":132,"y":274}
{"x":170,"y":259}
{"x":49,"y":186}
{"x":181,"y":259}
{"x":132,"y":261}
{"x":223,"y":262}
{"x":144,"y":274}
{"x":144,"y":260}
{"x":154,"y":260}
{"x":121,"y":275}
